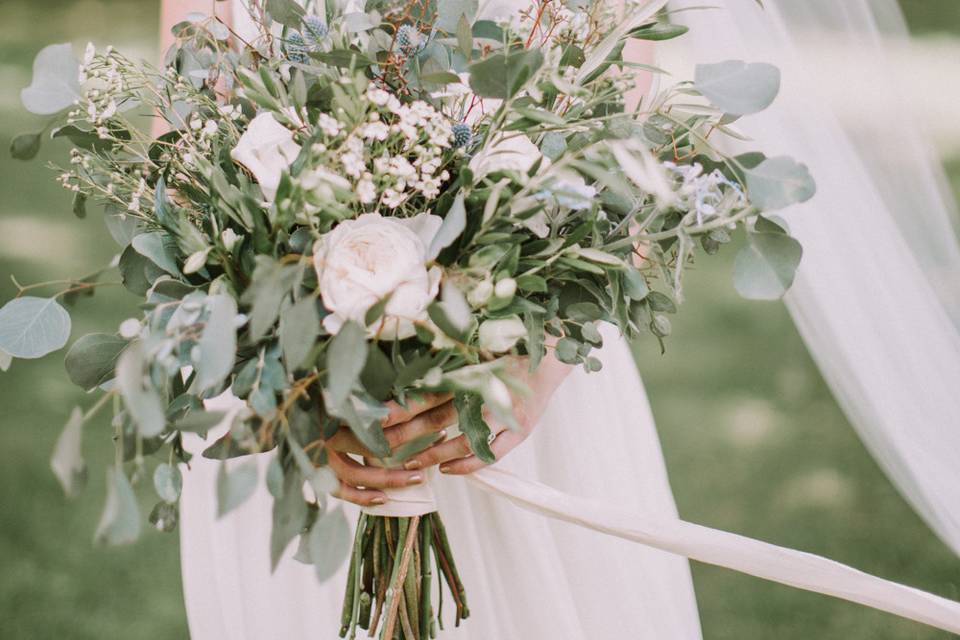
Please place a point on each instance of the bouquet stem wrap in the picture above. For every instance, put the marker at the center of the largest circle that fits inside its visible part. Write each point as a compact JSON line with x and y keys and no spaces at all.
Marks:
{"x":390,"y":580}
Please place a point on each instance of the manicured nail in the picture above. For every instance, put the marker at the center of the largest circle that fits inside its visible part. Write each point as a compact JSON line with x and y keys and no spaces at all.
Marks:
{"x":378,"y":501}
{"x":415,"y":479}
{"x":445,"y":468}
{"x":441,"y":435}
{"x":412,"y":465}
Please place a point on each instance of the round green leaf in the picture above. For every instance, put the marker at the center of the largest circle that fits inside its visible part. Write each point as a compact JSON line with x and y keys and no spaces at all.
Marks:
{"x":33,"y":327}
{"x":25,"y":146}
{"x":736,"y":87}
{"x":168,"y":482}
{"x":779,"y":182}
{"x":92,"y":359}
{"x":765,"y":268}
{"x":56,"y":81}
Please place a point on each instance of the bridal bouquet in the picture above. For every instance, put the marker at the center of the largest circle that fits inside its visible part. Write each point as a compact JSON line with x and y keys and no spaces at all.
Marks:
{"x":369,"y":205}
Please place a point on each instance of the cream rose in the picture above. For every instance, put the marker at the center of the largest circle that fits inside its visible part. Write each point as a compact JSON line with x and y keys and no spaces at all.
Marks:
{"x":266,"y":149}
{"x":361,"y":261}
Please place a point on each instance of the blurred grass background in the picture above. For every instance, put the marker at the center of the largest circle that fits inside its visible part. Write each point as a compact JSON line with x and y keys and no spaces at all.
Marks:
{"x":755,"y":444}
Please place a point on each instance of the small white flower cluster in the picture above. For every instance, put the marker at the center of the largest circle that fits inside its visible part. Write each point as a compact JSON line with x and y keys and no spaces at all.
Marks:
{"x":707,"y":194}
{"x":397,"y":151}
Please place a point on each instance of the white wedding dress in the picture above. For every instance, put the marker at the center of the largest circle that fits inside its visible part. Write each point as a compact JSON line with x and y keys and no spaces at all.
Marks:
{"x":527,"y":577}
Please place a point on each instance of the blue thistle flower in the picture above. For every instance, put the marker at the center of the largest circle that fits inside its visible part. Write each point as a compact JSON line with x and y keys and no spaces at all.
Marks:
{"x":296,"y":48}
{"x":462,"y":134}
{"x":314,"y":30}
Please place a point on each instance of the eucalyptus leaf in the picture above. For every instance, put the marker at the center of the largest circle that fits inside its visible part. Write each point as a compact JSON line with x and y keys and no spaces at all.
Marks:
{"x":779,"y":182}
{"x":453,"y":225}
{"x":55,"y":84}
{"x":299,"y":328}
{"x":287,"y":12}
{"x":67,"y":461}
{"x":164,"y":517}
{"x":289,"y":516}
{"x":329,"y":543}
{"x":159,"y":248}
{"x":764,"y":269}
{"x":168,"y":482}
{"x":502,"y":75}
{"x":92,"y":359}
{"x":272,"y":281}
{"x":32,"y":327}
{"x":235,"y":484}
{"x":5,"y":360}
{"x":737,"y":87}
{"x":218,"y":343}
{"x":346,"y":356}
{"x":142,"y":401}
{"x":25,"y":146}
{"x":120,"y":520}
{"x":449,"y":13}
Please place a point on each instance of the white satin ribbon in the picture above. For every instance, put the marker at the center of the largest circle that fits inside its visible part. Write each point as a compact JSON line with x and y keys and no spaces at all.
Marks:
{"x":753,"y":557}
{"x":407,"y":502}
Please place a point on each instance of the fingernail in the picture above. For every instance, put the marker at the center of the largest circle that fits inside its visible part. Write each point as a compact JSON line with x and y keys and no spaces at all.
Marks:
{"x":444,"y":469}
{"x":441,"y":434}
{"x":415,"y":479}
{"x":378,"y":501}
{"x":412,"y":465}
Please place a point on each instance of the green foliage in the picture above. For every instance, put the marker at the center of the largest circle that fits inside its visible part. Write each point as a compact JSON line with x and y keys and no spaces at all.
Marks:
{"x":32,"y":327}
{"x":92,"y":359}
{"x":55,"y":82}
{"x":737,"y":87}
{"x":765,"y":267}
{"x":502,"y":75}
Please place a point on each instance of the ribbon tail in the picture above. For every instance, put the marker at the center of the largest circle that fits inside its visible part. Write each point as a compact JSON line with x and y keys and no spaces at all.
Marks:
{"x":787,"y":566}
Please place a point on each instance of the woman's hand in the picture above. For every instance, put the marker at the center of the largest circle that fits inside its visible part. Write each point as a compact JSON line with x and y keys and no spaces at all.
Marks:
{"x":455,"y":456}
{"x":432,"y":414}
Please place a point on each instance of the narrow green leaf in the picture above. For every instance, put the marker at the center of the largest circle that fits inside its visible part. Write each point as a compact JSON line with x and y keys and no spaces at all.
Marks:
{"x":218,"y":344}
{"x":453,"y":225}
{"x":470,"y":413}
{"x":345,"y":359}
{"x":289,"y":516}
{"x":299,"y":327}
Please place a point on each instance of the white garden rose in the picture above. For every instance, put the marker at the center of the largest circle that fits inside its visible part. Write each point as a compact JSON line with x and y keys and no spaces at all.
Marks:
{"x":361,"y":261}
{"x":511,"y":151}
{"x":266,"y":149}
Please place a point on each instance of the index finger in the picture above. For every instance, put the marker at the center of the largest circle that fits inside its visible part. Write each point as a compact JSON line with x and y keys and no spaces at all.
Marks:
{"x":415,"y":406}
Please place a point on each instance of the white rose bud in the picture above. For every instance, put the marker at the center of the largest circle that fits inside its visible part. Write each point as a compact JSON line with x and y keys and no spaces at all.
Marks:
{"x":480,"y":294}
{"x":130,"y":328}
{"x":362,"y":261}
{"x":229,"y":238}
{"x":505,"y":289}
{"x":266,"y":149}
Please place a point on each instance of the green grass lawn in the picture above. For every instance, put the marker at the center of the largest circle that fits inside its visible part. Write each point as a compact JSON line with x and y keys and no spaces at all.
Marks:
{"x":755,"y":444}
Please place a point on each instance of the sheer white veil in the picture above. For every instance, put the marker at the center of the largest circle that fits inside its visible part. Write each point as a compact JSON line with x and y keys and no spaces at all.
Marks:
{"x":877,"y":299}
